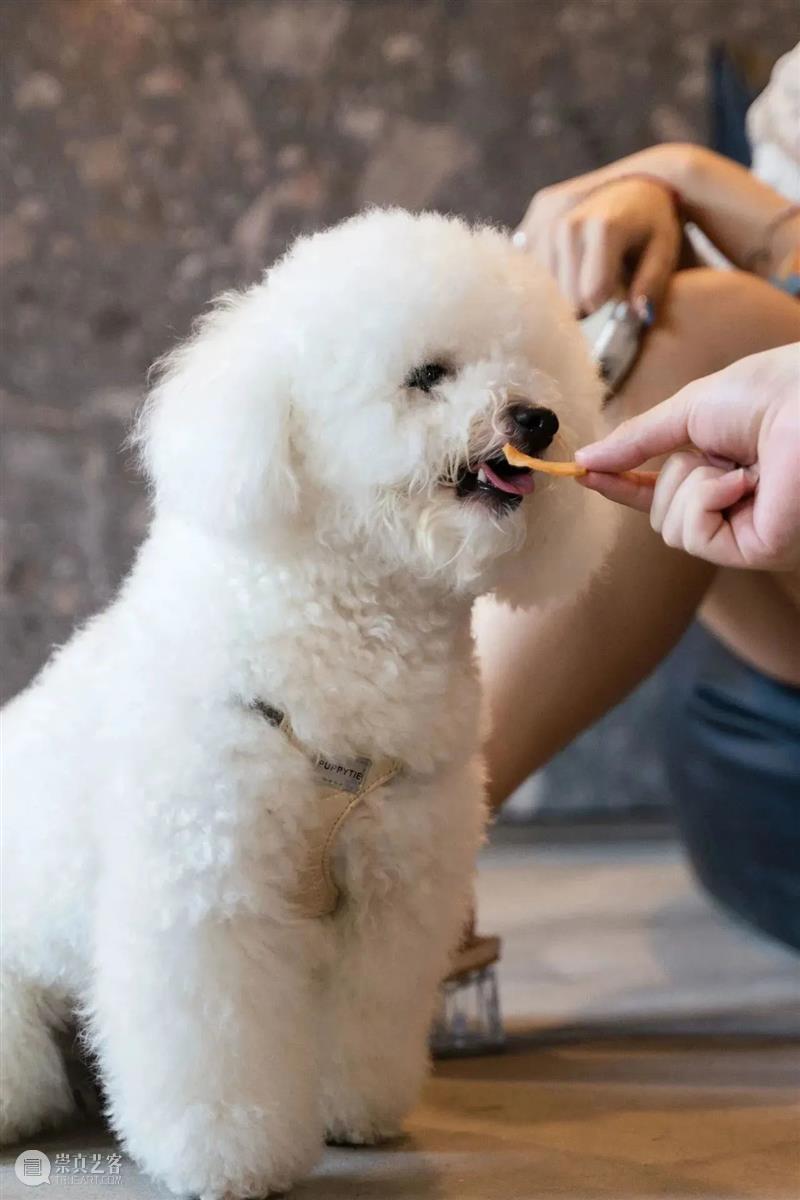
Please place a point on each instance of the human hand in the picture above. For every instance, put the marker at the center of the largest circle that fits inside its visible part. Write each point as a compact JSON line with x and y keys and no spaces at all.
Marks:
{"x":737,"y":503}
{"x":591,"y":236}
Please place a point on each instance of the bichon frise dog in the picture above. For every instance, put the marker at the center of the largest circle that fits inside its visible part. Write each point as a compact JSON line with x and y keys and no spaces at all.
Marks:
{"x":242,"y":804}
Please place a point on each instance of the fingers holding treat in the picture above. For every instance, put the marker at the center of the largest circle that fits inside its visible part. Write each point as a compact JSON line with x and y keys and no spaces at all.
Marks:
{"x":573,"y":470}
{"x":620,"y":488}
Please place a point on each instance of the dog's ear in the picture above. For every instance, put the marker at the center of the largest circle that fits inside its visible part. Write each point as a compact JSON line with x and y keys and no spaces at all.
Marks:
{"x":214,"y":433}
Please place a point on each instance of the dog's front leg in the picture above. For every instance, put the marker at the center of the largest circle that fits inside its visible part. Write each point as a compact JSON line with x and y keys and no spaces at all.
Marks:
{"x":207,"y":1045}
{"x":391,"y":954}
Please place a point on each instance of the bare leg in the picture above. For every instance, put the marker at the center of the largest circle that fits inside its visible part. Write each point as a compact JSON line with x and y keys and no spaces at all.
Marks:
{"x":578,"y":662}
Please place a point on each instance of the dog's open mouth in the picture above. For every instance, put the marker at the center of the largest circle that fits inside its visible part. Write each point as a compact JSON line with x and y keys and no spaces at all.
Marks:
{"x":495,"y":483}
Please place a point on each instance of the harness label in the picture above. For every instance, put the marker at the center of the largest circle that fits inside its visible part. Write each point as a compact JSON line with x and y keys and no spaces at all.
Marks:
{"x":344,"y":774}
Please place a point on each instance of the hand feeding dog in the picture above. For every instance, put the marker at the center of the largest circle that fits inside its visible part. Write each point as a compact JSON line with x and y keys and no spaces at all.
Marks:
{"x":569,"y":470}
{"x":207,"y":855}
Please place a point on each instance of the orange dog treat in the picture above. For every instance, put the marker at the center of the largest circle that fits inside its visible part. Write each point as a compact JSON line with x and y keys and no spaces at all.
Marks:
{"x":570,"y":470}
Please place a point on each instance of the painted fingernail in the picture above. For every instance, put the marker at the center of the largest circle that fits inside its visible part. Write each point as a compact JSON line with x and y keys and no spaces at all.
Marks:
{"x":519,"y":240}
{"x":645,"y":310}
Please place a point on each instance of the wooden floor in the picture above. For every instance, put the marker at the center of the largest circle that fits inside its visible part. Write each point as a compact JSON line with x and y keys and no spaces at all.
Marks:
{"x":654,"y":1054}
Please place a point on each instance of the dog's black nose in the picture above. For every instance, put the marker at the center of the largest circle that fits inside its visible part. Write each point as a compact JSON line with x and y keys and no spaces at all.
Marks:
{"x":535,"y":426}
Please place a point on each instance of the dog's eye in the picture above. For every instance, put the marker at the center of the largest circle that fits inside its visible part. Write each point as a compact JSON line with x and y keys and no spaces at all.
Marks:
{"x":427,"y":376}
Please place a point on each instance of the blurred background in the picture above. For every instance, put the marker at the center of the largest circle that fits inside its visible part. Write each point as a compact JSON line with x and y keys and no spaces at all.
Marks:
{"x":155,"y":152}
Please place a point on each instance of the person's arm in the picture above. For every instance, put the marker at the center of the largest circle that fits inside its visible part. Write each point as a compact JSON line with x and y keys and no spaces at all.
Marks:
{"x":732,"y":207}
{"x":593,"y":230}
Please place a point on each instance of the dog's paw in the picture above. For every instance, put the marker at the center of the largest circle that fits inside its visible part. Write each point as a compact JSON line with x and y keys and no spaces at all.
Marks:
{"x":273,"y":1195}
{"x":225,"y":1185}
{"x":368,"y":1134}
{"x":220,"y":1151}
{"x":34,"y":1091}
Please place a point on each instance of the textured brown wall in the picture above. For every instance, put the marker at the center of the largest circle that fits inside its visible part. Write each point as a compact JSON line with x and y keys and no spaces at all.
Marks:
{"x":156,"y":151}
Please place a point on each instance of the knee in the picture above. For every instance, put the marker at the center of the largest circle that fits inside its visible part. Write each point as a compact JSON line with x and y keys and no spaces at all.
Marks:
{"x":726,"y":315}
{"x":709,"y":319}
{"x":699,"y":288}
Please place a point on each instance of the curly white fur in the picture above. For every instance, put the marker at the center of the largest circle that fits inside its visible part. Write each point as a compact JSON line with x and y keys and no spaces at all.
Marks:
{"x":306,"y":550}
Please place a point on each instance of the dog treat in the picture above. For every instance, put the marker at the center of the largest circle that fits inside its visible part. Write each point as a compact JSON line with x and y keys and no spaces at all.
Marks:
{"x":570,"y":470}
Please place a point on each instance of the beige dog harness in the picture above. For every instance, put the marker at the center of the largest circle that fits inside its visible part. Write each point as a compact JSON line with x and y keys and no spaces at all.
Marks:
{"x":344,"y":783}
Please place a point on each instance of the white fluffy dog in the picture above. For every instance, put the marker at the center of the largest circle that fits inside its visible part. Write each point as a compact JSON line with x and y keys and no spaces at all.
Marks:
{"x":329,"y":499}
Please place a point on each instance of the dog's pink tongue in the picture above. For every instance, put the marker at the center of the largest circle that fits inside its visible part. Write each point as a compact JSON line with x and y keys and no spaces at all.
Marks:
{"x":518,"y":485}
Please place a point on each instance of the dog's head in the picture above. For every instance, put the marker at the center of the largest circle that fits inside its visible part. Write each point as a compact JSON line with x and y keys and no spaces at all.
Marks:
{"x":358,"y":399}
